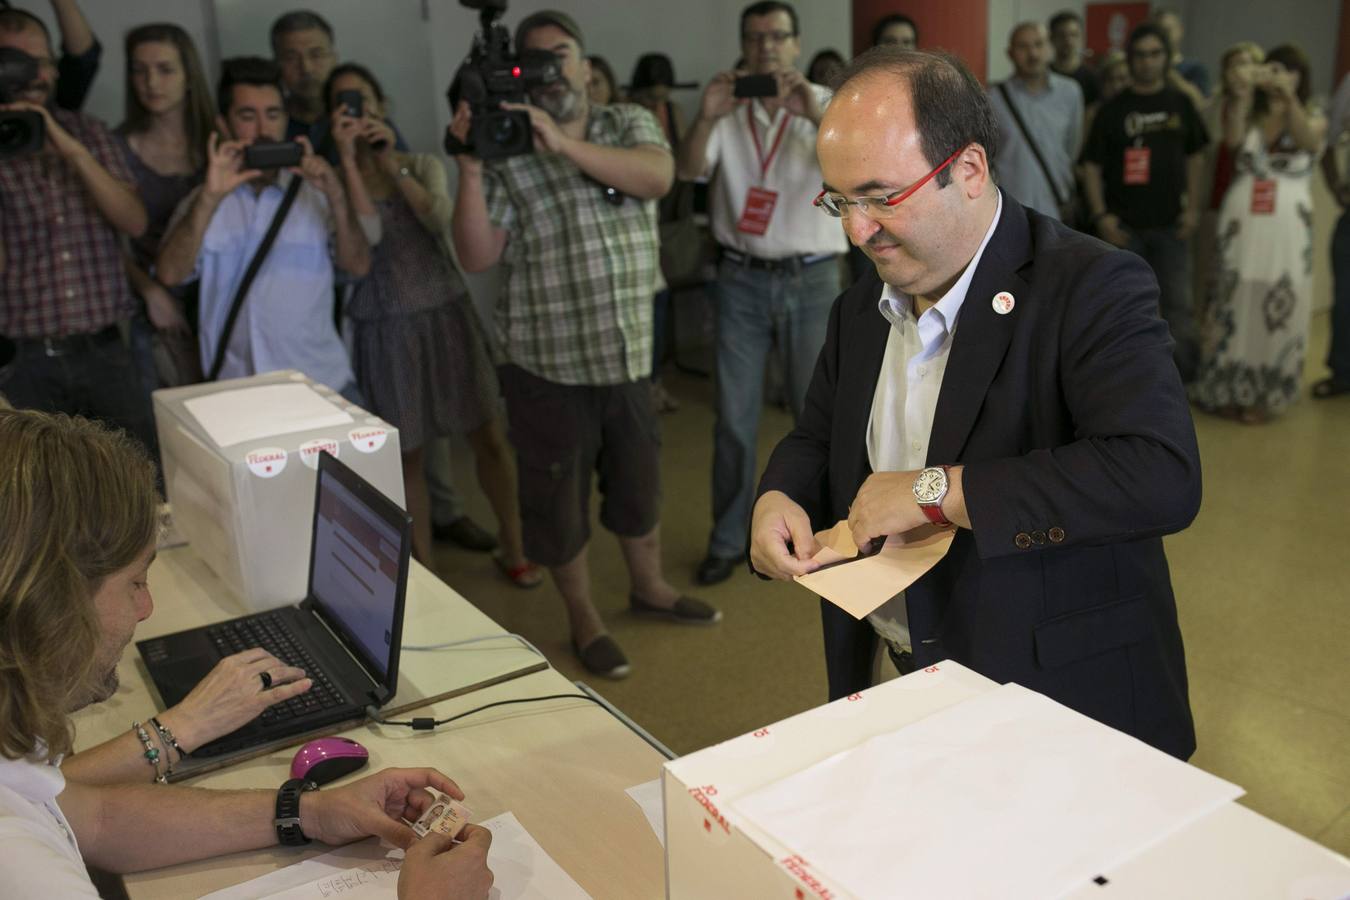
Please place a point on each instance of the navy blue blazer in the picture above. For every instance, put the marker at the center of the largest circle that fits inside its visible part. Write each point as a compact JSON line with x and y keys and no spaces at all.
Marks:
{"x":1079,"y":452}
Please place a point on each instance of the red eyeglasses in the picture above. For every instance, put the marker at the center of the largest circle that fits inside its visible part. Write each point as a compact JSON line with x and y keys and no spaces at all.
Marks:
{"x":878,"y":207}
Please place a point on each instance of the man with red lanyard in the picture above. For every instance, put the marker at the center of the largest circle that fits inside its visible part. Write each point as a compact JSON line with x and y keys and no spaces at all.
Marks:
{"x":780,"y":264}
{"x":1143,"y":180}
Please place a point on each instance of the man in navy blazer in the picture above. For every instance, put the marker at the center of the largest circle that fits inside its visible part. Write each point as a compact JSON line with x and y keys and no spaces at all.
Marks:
{"x":1004,"y":375}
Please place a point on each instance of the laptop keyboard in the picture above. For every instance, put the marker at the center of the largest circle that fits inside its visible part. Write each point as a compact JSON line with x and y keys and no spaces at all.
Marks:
{"x":272,"y":633}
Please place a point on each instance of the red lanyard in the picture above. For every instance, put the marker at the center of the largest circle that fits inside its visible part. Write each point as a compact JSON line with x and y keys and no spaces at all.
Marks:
{"x":766,"y":161}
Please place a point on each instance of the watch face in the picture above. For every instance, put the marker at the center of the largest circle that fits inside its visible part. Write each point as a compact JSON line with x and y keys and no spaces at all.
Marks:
{"x":930,"y":485}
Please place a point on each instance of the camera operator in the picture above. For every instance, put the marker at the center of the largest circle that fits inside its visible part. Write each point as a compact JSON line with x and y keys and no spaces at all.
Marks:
{"x":286,"y":320}
{"x":779,"y":271}
{"x":574,"y":225}
{"x":63,"y":291}
{"x":80,"y":52}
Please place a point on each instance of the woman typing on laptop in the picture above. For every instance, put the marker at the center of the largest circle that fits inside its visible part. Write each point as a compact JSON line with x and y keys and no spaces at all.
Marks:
{"x":236,"y":691}
{"x":77,"y":537}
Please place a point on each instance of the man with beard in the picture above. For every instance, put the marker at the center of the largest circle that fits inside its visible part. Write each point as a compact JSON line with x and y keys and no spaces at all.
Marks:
{"x":574,"y":226}
{"x":780,"y":262}
{"x":302,"y":45}
{"x":78,"y":523}
{"x":1002,"y":375}
{"x":63,"y":291}
{"x":286,"y":321}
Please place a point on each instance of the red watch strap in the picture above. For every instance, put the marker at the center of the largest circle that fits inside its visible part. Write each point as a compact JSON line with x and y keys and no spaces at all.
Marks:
{"x":934,"y":514}
{"x":934,"y":510}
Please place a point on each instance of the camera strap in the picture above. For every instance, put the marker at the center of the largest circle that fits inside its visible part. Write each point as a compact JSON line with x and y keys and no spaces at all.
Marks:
{"x":254,"y":265}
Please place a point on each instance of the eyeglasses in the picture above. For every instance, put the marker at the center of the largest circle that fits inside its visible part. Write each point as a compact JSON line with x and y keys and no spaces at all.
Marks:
{"x":837,"y":205}
{"x":314,"y":56}
{"x":766,"y":37}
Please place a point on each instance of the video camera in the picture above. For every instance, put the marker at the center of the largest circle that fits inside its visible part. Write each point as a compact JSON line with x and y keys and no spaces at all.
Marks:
{"x":21,"y":131}
{"x":491,"y":76}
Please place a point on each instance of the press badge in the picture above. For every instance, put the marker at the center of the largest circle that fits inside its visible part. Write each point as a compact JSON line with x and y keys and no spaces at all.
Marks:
{"x":1136,"y":165}
{"x":1263,"y":197}
{"x":757,"y":212}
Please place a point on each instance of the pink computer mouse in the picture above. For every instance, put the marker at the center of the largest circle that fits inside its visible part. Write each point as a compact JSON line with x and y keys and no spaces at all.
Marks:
{"x":327,"y":759}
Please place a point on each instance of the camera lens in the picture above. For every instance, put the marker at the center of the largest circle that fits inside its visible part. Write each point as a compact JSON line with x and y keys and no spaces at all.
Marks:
{"x":505,"y":131}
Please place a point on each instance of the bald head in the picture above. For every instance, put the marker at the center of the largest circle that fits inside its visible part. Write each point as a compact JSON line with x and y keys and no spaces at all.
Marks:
{"x":946,"y":106}
{"x":911,"y":125}
{"x":1029,"y":51}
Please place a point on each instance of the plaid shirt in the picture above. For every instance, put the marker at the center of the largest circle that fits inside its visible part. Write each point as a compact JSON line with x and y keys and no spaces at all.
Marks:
{"x":578,"y":272}
{"x":63,"y":270}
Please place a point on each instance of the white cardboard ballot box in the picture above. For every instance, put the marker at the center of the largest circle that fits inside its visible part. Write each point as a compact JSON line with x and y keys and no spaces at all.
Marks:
{"x":239,"y":467}
{"x":715,"y":849}
{"x":712,"y":852}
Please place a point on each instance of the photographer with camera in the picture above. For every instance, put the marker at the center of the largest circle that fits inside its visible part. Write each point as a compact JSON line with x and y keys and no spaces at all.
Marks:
{"x":779,"y":272}
{"x":66,"y":198}
{"x":574,"y":226}
{"x":284,"y":319}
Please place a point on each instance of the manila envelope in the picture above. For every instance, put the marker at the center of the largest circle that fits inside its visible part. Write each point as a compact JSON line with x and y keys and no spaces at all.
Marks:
{"x":860,"y":587}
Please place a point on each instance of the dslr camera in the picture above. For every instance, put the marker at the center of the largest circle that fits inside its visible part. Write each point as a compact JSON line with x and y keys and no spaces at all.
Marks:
{"x":21,"y":131}
{"x":490,"y":76}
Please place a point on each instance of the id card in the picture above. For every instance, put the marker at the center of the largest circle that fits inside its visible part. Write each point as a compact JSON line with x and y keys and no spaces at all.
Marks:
{"x":1263,"y":197}
{"x":1136,"y":165}
{"x":758,"y":210}
{"x":446,"y":816}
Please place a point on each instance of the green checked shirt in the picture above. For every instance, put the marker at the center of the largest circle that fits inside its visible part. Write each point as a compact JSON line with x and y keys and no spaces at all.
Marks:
{"x":578,"y":273}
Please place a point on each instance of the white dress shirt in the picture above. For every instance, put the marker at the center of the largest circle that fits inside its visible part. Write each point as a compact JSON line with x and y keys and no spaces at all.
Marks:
{"x":907,"y":394}
{"x":41,"y":857}
{"x":796,"y":227}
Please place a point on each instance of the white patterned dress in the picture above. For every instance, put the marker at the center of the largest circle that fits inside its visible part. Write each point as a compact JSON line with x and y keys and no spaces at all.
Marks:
{"x":1255,"y":334}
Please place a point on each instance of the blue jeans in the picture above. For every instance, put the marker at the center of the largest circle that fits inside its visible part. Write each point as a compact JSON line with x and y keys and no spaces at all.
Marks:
{"x":1170,"y":258}
{"x":752,"y":306}
{"x":1338,"y":360}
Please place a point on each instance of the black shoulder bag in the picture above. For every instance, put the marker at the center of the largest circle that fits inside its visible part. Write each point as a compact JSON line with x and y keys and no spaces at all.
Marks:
{"x":1067,"y":212}
{"x":250,"y":273}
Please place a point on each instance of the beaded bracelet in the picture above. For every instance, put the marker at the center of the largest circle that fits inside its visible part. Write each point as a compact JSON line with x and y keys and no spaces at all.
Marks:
{"x":151,"y":753}
{"x":167,"y":739}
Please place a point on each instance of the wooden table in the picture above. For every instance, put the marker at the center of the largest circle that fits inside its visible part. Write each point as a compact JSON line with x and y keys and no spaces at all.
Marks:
{"x":561,"y":766}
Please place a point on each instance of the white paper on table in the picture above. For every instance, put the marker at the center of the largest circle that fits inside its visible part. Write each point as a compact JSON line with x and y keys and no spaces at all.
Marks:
{"x":649,"y":799}
{"x":1007,"y":794}
{"x":520,"y":867}
{"x":248,"y":414}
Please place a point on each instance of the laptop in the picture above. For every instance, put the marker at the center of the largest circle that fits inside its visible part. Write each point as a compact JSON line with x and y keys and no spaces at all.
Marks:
{"x":345,"y":634}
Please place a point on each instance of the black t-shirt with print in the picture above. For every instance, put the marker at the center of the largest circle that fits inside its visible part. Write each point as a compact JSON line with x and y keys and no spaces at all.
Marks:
{"x":1141,"y":142}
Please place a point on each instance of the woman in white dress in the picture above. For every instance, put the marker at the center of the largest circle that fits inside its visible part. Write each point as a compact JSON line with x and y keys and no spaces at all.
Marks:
{"x":1260,"y":296}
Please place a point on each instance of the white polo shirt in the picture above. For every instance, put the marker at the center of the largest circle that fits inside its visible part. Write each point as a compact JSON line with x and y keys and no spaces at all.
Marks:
{"x":41,"y":857}
{"x":796,"y":228}
{"x":906,"y":397}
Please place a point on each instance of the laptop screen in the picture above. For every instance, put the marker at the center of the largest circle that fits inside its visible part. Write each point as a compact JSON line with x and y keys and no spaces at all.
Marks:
{"x":355,"y":570}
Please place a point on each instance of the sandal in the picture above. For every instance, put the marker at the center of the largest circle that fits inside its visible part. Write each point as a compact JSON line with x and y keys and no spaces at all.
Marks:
{"x":1329,"y":387}
{"x":525,"y":575}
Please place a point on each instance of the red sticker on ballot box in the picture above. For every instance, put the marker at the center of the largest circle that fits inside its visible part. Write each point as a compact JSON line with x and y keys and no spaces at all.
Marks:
{"x":367,"y":440}
{"x":310,"y":450}
{"x":1136,"y":165}
{"x":266,"y":462}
